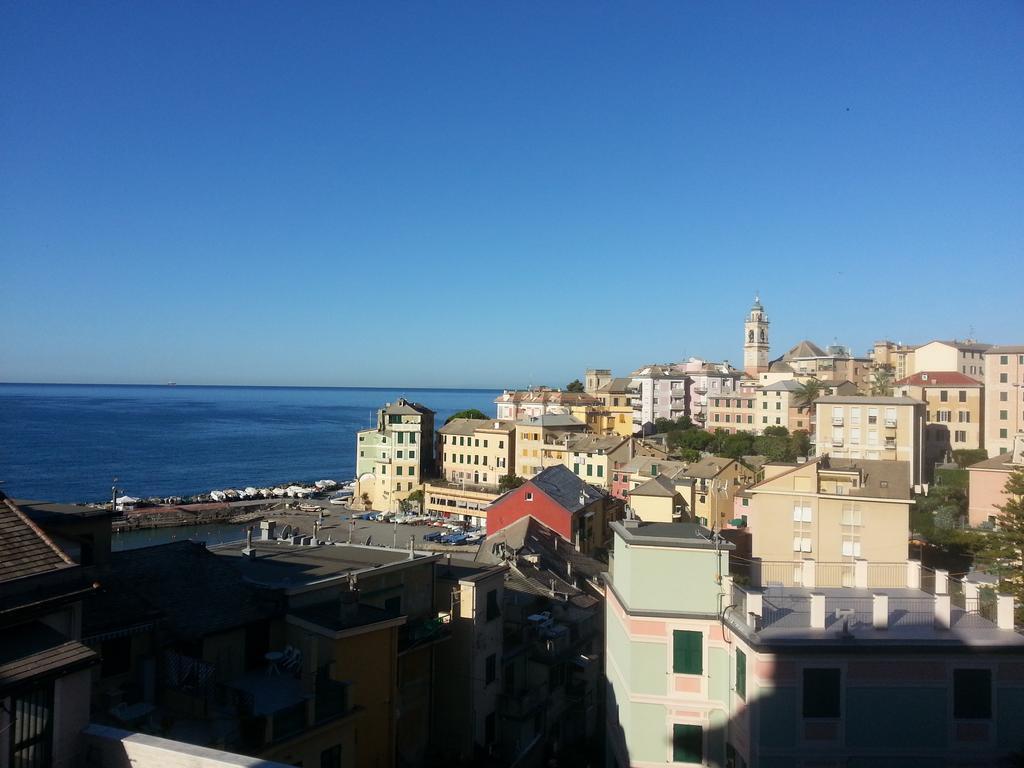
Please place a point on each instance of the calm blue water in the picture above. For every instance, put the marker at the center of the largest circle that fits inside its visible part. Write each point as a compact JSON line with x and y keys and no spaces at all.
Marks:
{"x":65,"y":442}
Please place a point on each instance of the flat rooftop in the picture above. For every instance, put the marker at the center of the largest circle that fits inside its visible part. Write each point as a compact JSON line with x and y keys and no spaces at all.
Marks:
{"x":280,"y":564}
{"x":786,"y":620}
{"x":686,"y":535}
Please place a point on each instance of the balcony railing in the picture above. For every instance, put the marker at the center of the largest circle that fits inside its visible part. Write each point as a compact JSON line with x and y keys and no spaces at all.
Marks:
{"x":837,"y":421}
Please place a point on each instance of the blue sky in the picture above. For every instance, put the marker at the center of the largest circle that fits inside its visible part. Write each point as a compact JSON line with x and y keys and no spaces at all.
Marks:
{"x":496,"y":194}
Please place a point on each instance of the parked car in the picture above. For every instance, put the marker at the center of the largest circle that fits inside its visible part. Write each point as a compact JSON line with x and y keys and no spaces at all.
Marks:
{"x":433,"y":535}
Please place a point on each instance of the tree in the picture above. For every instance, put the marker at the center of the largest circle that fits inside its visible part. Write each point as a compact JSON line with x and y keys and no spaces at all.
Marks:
{"x":469,"y":413}
{"x":775,"y":447}
{"x":800,"y":442}
{"x":1005,"y":545}
{"x":690,"y":439}
{"x":881,"y":382}
{"x":507,"y":482}
{"x":735,"y":446}
{"x":574,"y":386}
{"x":809,"y":391}
{"x":964,"y":457}
{"x":775,"y":431}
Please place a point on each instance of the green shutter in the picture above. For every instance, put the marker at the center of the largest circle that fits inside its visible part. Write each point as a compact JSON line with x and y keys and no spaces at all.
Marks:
{"x":741,"y":674}
{"x":600,"y":471}
{"x":687,"y":744}
{"x":576,"y":468}
{"x":687,"y":652}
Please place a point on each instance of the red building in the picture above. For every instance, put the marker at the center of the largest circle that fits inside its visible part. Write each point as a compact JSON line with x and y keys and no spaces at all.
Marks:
{"x":577,"y":511}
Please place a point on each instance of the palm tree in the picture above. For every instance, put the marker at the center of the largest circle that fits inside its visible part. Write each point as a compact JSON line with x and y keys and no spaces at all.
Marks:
{"x":809,"y":391}
{"x":881,"y":382}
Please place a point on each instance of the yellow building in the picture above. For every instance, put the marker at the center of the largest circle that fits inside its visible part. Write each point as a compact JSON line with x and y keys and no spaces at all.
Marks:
{"x":830,"y":511}
{"x":954,"y":411}
{"x":658,"y":501}
{"x":873,"y":428}
{"x":542,"y":441}
{"x":614,"y":415}
{"x":477,"y":451}
{"x":1004,"y":397}
{"x":393,"y":458}
{"x":966,"y":357}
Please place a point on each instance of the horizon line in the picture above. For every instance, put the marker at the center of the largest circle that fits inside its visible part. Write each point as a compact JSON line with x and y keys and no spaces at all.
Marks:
{"x":175,"y":385}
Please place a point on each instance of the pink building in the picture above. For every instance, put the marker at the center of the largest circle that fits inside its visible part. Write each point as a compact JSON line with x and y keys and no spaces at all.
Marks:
{"x":987,"y":484}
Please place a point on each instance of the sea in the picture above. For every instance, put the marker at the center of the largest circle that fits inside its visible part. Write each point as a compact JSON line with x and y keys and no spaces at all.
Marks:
{"x":67,"y":442}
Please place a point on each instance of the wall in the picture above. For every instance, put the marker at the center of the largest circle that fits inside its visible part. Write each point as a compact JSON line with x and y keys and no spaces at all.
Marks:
{"x":114,"y":748}
{"x":514,"y":506}
{"x":987,"y":491}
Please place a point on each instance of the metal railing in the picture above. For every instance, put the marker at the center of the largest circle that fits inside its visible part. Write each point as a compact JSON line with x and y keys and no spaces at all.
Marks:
{"x":892,"y":575}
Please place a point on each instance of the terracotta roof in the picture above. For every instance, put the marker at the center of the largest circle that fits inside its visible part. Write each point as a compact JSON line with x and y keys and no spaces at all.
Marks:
{"x":1005,"y":349}
{"x":24,"y":549}
{"x":938,"y":379}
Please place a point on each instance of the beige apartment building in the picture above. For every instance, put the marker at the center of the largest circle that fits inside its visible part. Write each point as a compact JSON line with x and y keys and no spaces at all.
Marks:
{"x":393,"y":457}
{"x":594,"y":457}
{"x":830,"y":511}
{"x":954,"y":409}
{"x":966,"y":357}
{"x":477,"y":451}
{"x":614,"y":414}
{"x":516,"y":405}
{"x":873,"y":428}
{"x":542,"y":441}
{"x":707,"y":487}
{"x":777,"y":406}
{"x":735,"y":412}
{"x":1004,"y":397}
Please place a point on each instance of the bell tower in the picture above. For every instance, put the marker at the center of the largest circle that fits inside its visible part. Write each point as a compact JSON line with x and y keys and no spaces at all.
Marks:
{"x":755,"y":340}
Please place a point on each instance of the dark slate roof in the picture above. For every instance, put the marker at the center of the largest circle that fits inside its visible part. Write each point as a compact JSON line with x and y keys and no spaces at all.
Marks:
{"x":24,"y":549}
{"x":403,"y":407}
{"x":529,"y":536}
{"x":565,"y":488}
{"x":198,"y":592}
{"x":36,"y":650}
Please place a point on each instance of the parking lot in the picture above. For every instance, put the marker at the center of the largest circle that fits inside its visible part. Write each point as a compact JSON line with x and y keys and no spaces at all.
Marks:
{"x":340,"y":527}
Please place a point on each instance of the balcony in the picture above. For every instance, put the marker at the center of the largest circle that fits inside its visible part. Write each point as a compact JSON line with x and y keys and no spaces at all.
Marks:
{"x":837,"y":421}
{"x":837,"y":442}
{"x":890,"y":423}
{"x":890,"y":445}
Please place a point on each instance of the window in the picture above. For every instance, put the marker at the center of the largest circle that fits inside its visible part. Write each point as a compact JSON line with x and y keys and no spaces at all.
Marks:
{"x":401,"y":438}
{"x":945,"y":416}
{"x":576,"y":469}
{"x":31,"y":736}
{"x":529,"y":496}
{"x":962,"y":395}
{"x":851,"y":546}
{"x":398,"y":470}
{"x":741,"y":674}
{"x":872,"y":415}
{"x":501,"y":443}
{"x":801,"y":512}
{"x":851,"y":514}
{"x":972,"y":694}
{"x":687,"y":652}
{"x":1002,"y":397}
{"x":960,"y":436}
{"x":590,"y":470}
{"x":687,"y":744}
{"x":802,"y":544}
{"x":1004,"y":378}
{"x":964,"y":417}
{"x":944,"y":395}
{"x":493,"y":611}
{"x":1002,"y":415}
{"x":331,"y":758}
{"x":490,"y":666}
{"x":821,"y":693}
{"x":600,"y":471}
{"x":1004,"y":359}
{"x":1002,"y":433}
